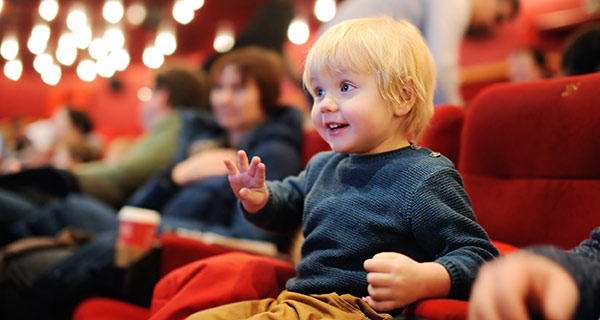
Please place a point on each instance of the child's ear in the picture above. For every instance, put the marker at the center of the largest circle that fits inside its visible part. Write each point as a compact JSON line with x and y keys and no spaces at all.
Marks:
{"x":406,"y":98}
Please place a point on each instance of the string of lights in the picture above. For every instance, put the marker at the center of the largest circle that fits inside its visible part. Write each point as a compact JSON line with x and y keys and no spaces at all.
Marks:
{"x":94,"y":49}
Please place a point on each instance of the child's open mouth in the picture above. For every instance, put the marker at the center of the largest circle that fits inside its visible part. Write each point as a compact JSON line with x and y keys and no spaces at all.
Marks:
{"x":336,"y":126}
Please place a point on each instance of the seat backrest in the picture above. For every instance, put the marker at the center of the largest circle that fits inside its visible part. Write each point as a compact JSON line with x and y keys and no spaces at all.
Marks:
{"x":312,"y":143}
{"x":443,"y":132}
{"x":530,"y":159}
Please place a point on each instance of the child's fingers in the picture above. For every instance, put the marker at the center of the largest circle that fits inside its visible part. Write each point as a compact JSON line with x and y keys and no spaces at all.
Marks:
{"x":249,"y":195}
{"x":253,"y":165}
{"x":231,"y":168}
{"x":261,"y":172}
{"x":381,"y":305}
{"x":380,"y":293}
{"x":386,"y":255}
{"x":379,"y":279}
{"x":242,"y":161}
{"x":378,"y":265}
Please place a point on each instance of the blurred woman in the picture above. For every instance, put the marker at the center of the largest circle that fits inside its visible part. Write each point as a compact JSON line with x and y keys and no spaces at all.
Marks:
{"x":244,"y":97}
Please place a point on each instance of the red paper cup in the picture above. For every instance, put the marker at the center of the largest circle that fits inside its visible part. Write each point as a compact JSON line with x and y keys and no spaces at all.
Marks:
{"x":137,"y":230}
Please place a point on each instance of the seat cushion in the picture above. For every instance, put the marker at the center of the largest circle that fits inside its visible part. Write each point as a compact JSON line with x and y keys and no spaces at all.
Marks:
{"x":109,"y":309}
{"x":218,"y":280}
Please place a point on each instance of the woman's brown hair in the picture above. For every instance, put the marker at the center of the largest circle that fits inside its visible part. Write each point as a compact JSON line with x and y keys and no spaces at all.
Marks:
{"x":262,"y":65}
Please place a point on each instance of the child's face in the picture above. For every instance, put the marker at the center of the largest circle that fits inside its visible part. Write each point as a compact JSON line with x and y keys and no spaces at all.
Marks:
{"x":350,"y":114}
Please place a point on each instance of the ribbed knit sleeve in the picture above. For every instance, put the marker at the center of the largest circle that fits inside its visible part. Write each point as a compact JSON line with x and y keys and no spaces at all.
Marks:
{"x":444,"y":224}
{"x":283,"y":212}
{"x":583,"y":263}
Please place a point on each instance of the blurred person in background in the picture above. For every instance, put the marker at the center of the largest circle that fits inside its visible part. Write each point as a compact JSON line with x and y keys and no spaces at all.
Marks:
{"x":193,"y":194}
{"x":528,"y":64}
{"x":540,"y":282}
{"x":582,"y":52}
{"x":175,"y":89}
{"x":63,"y":140}
{"x":443,"y":24}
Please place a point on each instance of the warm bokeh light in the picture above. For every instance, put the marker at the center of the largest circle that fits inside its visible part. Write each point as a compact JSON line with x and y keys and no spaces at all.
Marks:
{"x":114,"y":38}
{"x":224,"y":39}
{"x":13,"y":69}
{"x":10,"y":47}
{"x":119,"y":59}
{"x":66,"y":39}
{"x":152,"y":58}
{"x":38,"y":40}
{"x":66,"y":55}
{"x":166,"y":42}
{"x":76,"y":19}
{"x":195,"y":4}
{"x":98,"y":48}
{"x":113,"y":11}
{"x":136,"y":13}
{"x":1,"y":5}
{"x":325,"y":10}
{"x":82,"y":37}
{"x":36,"y":45}
{"x":86,"y":70}
{"x":48,"y":9}
{"x":182,"y":12}
{"x":41,"y":31}
{"x":51,"y":75}
{"x":298,"y":31}
{"x":105,"y":67}
{"x":224,"y":43}
{"x":144,"y":94}
{"x":42,"y":62}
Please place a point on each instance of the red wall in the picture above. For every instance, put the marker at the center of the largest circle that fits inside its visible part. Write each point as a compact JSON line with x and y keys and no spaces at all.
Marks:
{"x":115,"y":112}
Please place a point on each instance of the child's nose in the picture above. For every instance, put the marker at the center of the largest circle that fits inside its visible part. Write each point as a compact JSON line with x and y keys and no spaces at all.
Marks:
{"x":328,"y":105}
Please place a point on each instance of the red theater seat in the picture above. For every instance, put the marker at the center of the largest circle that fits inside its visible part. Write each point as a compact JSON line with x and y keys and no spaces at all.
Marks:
{"x":178,"y":251}
{"x":443,"y":133}
{"x":312,"y":143}
{"x":109,"y":309}
{"x":181,"y":291}
{"x":529,"y":158}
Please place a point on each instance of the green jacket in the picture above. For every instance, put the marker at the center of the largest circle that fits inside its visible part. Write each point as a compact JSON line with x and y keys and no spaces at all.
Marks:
{"x":151,"y":153}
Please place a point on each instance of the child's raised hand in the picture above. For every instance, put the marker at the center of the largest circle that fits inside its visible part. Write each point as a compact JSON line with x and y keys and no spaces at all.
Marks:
{"x":248,"y":181}
{"x":395,"y":280}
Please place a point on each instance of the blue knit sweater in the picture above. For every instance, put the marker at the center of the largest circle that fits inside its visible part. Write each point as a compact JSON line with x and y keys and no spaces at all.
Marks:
{"x":583,"y":263}
{"x":351,"y":207}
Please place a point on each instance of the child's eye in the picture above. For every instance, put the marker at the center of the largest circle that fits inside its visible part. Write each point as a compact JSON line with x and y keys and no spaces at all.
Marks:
{"x":346,"y":87}
{"x":319,"y":92}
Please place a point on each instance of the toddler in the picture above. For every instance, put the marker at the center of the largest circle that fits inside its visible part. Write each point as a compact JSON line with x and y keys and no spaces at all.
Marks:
{"x":385,"y":221}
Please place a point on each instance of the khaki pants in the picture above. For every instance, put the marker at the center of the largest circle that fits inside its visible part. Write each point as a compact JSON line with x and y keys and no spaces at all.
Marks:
{"x":292,"y":305}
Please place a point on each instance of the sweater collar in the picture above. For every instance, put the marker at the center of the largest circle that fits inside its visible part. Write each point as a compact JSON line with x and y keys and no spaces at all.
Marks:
{"x":383,"y":156}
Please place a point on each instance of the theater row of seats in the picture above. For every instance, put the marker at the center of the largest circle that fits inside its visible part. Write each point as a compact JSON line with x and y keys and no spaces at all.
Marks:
{"x":529,"y":156}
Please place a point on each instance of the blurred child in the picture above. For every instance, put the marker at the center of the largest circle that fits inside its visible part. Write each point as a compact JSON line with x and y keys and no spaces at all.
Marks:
{"x":64,"y":140}
{"x":74,"y":140}
{"x":528,"y":64}
{"x":386,"y":222}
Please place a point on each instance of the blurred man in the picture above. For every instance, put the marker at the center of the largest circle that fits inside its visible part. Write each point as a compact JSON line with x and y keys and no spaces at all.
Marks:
{"x":443,"y":23}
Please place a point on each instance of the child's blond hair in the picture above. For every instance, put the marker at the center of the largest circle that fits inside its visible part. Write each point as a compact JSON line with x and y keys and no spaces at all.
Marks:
{"x":394,"y":51}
